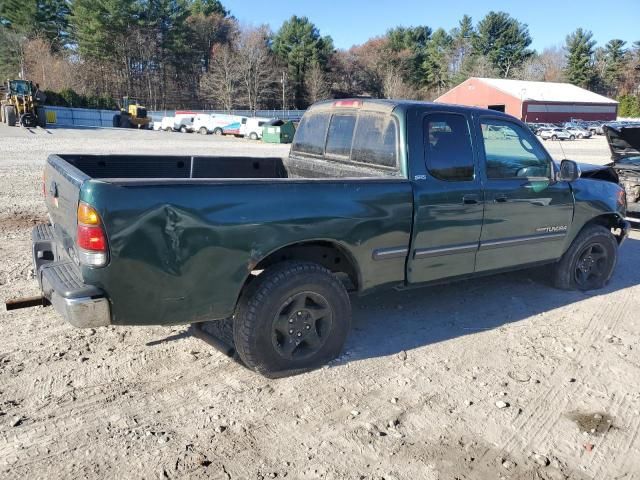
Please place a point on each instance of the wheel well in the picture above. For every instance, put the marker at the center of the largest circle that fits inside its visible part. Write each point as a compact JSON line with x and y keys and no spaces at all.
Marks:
{"x":607,"y":220}
{"x":327,"y":254}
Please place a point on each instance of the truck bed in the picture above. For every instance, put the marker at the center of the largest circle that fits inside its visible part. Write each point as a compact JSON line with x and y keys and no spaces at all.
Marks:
{"x":122,"y":167}
{"x":184,"y":233}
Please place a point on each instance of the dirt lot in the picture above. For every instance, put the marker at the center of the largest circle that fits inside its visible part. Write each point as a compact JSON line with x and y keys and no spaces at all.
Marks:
{"x":415,"y":396}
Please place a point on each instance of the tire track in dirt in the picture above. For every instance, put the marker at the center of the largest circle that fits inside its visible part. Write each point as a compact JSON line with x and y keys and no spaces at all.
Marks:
{"x":551,"y":404}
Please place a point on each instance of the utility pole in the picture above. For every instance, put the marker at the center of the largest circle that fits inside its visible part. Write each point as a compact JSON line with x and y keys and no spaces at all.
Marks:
{"x":284,"y":89}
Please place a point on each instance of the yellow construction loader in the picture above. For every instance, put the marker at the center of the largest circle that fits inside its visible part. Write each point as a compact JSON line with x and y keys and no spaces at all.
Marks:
{"x":132,"y":115}
{"x":19,"y":104}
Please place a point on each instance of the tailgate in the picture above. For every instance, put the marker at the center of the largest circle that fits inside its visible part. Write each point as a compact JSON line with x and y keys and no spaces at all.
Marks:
{"x":62,"y":184}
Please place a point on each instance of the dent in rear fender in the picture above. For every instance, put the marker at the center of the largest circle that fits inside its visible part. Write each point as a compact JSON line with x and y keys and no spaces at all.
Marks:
{"x":592,"y":199}
{"x":181,"y":253}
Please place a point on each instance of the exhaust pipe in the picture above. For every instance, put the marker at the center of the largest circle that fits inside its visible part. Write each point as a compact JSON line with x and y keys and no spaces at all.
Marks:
{"x":27,"y":302}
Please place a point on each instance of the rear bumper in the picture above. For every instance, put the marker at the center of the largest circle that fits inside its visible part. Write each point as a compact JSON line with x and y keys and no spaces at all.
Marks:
{"x":83,"y":306}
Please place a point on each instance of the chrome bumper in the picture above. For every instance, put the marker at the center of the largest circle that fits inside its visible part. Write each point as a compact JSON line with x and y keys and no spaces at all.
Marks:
{"x":83,"y":312}
{"x":83,"y":306}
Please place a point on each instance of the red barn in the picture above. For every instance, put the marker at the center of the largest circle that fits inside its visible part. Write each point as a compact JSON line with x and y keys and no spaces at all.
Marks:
{"x":533,"y":101}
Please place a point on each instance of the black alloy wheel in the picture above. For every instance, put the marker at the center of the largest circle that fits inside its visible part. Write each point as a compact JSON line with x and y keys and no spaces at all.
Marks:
{"x":302,"y":325}
{"x":591,"y":267}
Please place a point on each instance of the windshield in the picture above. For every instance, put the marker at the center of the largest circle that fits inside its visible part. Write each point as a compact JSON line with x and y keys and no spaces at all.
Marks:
{"x":20,"y":87}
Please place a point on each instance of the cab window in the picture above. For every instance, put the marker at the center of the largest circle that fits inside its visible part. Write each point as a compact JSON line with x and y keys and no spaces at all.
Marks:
{"x":375,"y":141}
{"x":511,"y":151}
{"x":311,"y":134}
{"x":340,"y":135}
{"x":448,"y":151}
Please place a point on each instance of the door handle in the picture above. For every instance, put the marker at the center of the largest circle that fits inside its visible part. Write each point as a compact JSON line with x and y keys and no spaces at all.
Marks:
{"x":500,"y":198}
{"x":471,"y":199}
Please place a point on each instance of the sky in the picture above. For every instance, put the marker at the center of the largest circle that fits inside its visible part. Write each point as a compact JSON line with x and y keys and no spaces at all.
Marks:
{"x":352,"y":22}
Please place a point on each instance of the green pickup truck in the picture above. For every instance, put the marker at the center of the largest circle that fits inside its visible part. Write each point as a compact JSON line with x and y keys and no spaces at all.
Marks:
{"x":375,"y":194}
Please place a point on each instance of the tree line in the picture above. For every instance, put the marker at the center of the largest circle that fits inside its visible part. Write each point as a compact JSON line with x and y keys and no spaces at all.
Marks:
{"x":195,"y":54}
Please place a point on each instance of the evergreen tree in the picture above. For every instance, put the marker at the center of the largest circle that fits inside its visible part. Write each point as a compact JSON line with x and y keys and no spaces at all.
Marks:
{"x":100,"y":27}
{"x":580,"y":70}
{"x":615,"y":59}
{"x":462,"y":50}
{"x":48,"y":18}
{"x":208,"y":7}
{"x":436,"y":63}
{"x":299,"y":45}
{"x":503,"y":41}
{"x":408,"y":52}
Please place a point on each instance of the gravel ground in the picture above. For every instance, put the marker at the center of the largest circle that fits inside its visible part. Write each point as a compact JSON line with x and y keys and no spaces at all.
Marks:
{"x":502,"y":377}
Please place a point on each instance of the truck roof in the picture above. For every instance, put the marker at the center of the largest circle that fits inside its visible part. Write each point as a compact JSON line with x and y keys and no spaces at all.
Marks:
{"x":389,"y":105}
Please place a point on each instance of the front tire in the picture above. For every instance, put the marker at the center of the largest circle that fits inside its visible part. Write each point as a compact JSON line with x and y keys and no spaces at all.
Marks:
{"x":217,"y":131}
{"x":554,"y":137}
{"x":253,"y":136}
{"x":572,"y":137}
{"x":589,"y":262}
{"x":203,"y":131}
{"x":294,"y":317}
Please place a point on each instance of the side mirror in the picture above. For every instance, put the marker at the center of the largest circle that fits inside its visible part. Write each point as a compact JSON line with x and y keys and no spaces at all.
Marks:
{"x":569,"y":171}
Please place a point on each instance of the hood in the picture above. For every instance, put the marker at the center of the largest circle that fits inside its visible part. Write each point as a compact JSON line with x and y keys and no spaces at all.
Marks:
{"x":624,"y":143}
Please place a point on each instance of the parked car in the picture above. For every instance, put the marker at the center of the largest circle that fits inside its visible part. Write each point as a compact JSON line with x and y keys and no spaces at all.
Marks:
{"x":375,"y":194}
{"x":624,"y":143}
{"x":556,"y":134}
{"x":578,"y":132}
{"x":544,"y":126}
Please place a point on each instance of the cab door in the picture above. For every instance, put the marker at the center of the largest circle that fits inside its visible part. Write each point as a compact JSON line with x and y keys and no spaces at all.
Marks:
{"x":527,"y":213}
{"x":448,"y":197}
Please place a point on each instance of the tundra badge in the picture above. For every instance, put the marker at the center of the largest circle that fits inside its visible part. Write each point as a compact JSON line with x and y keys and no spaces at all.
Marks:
{"x":553,"y":229}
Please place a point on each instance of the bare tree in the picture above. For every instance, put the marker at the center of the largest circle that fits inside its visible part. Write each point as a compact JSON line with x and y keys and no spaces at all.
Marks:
{"x":52,"y":71}
{"x":221,"y":83}
{"x":316,"y":83}
{"x":256,"y":66}
{"x":394,"y":85}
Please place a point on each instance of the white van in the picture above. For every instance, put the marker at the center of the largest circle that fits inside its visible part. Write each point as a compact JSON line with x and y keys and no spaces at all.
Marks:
{"x":205,"y":123}
{"x":253,"y":127}
{"x":182,"y":121}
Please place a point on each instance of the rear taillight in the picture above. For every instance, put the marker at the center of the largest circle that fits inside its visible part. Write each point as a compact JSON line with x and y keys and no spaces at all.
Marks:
{"x":90,"y":238}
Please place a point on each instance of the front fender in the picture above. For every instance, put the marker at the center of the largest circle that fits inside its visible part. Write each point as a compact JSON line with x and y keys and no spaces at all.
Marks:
{"x":593,"y":199}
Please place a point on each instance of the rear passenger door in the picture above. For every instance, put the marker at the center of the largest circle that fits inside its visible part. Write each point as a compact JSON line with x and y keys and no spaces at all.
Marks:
{"x":527,"y":212}
{"x":448,"y":198}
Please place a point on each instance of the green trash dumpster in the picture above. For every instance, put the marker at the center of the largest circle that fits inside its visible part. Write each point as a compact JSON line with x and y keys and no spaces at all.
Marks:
{"x":278,"y":131}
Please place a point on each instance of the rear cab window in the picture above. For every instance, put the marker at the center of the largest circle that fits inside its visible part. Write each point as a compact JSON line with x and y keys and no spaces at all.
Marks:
{"x":365,"y":138}
{"x":448,"y":151}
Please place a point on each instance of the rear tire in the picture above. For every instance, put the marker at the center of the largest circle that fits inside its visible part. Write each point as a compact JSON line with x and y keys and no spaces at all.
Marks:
{"x":183,"y":129}
{"x":572,"y":137}
{"x":293,"y":318}
{"x":168,"y":129}
{"x":203,"y":131}
{"x":589,"y":262}
{"x":554,"y":137}
{"x":12,"y":118}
